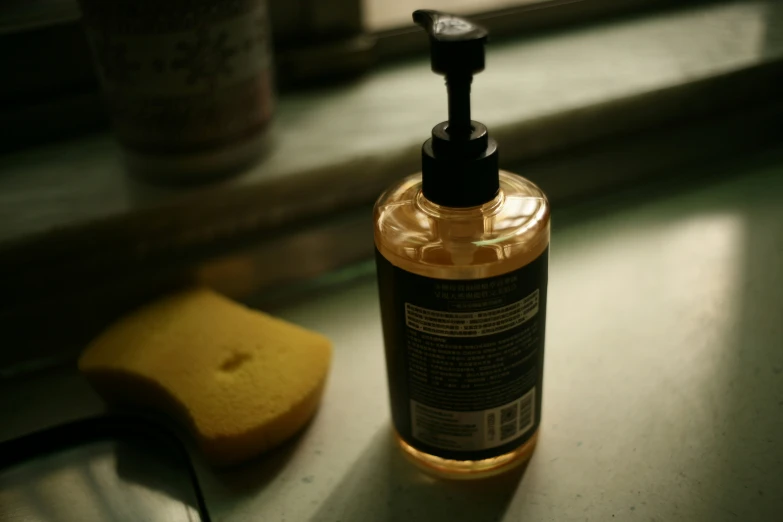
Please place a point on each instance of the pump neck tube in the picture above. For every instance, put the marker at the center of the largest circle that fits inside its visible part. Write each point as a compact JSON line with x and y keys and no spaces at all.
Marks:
{"x":458,"y":86}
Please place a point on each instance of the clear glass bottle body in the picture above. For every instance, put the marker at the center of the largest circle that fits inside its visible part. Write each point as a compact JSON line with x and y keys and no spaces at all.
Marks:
{"x":501,"y":236}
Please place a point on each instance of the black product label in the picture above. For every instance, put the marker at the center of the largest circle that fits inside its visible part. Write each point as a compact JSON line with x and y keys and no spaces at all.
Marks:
{"x":465,"y":358}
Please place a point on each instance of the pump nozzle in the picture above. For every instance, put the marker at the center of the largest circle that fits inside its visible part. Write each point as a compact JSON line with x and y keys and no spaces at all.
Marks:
{"x":456,"y":51}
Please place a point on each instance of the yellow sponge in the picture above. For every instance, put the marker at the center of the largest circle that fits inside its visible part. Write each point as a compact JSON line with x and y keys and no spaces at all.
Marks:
{"x":242,"y":380}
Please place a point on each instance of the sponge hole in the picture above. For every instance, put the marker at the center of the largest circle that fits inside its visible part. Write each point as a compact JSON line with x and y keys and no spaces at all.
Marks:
{"x":234,"y":361}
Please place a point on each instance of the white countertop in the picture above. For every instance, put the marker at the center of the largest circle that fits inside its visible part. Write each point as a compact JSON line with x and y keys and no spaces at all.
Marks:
{"x":663,"y":390}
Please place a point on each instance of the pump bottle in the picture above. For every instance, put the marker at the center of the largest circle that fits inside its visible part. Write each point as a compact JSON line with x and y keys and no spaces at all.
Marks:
{"x":462,"y":258}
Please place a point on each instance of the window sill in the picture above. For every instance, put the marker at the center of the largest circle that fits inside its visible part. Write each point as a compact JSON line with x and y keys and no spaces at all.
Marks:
{"x":547,"y":101}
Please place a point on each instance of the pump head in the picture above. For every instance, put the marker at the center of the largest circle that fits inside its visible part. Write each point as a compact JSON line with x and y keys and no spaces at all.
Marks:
{"x":460,"y":161}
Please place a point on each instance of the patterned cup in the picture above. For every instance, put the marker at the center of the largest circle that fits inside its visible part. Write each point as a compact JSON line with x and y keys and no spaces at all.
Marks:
{"x":188,"y":82}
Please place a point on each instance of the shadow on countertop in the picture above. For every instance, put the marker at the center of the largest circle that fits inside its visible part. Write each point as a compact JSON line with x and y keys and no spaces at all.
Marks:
{"x":383,"y":486}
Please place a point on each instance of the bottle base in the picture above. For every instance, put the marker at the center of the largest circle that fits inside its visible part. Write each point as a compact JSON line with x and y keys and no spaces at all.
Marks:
{"x":468,"y":469}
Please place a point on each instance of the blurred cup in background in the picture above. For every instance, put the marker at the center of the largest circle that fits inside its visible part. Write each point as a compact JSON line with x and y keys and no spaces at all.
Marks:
{"x":188,"y":82}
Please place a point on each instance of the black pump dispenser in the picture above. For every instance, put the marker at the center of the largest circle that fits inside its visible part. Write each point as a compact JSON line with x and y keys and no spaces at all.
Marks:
{"x":460,"y":161}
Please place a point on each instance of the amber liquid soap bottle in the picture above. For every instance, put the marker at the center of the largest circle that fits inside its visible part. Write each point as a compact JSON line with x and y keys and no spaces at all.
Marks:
{"x":462,"y":256}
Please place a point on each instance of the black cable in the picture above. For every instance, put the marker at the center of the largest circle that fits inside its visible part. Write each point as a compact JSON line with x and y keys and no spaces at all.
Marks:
{"x":95,"y":429}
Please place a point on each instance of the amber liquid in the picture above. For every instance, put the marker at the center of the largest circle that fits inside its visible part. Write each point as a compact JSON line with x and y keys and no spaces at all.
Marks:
{"x":501,"y":236}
